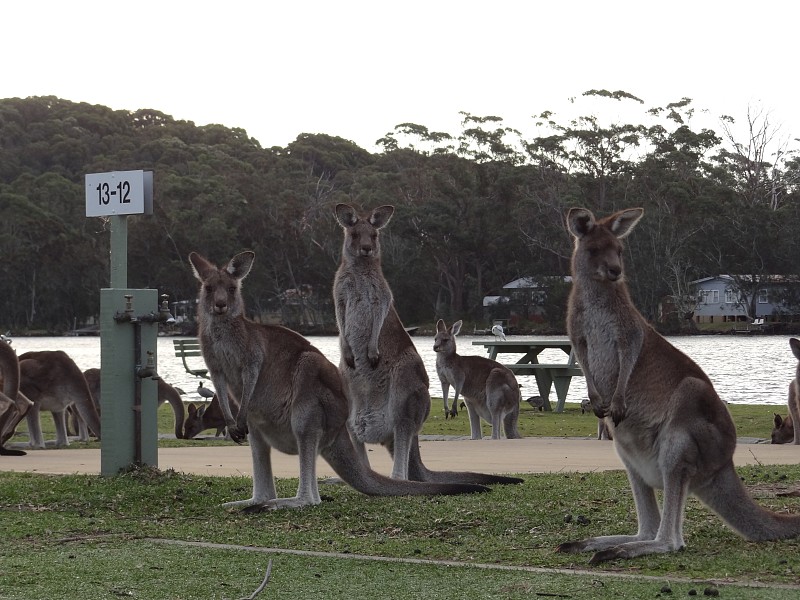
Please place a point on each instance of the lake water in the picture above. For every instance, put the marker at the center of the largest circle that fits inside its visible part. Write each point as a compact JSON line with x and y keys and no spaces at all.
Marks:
{"x":744,"y":369}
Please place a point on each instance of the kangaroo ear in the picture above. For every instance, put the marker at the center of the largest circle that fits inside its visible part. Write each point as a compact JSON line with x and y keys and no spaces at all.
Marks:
{"x":192,"y":409}
{"x":777,"y":420}
{"x":200,"y":266}
{"x":440,"y":326}
{"x":580,"y":221}
{"x":624,"y":221}
{"x":456,"y":328}
{"x":381,"y":216}
{"x":345,"y":215}
{"x":240,"y":265}
{"x":794,"y":344}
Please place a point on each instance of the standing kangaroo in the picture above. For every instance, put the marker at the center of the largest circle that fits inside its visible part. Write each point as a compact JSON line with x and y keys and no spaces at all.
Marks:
{"x":490,"y":390}
{"x":383,"y":374}
{"x":788,"y":430}
{"x":290,"y":395}
{"x":166,"y":393}
{"x":671,"y":430}
{"x":52,"y":380}
{"x":13,"y":404}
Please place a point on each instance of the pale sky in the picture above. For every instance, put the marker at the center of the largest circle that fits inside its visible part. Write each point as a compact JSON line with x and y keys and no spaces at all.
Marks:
{"x":356,"y":69}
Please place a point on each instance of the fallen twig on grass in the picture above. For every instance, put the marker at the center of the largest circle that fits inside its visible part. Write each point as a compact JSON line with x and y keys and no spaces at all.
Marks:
{"x":264,"y":583}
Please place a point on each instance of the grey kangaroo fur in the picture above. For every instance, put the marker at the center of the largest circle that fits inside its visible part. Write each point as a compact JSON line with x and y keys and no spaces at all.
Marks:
{"x":290,"y":396}
{"x":384,"y":377}
{"x":166,"y":393}
{"x":490,"y":390}
{"x":13,"y":404}
{"x":52,"y":380}
{"x":788,"y":430}
{"x":671,"y":430}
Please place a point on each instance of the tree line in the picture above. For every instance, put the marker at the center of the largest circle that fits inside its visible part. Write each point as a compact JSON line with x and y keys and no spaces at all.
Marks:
{"x":475,"y":209}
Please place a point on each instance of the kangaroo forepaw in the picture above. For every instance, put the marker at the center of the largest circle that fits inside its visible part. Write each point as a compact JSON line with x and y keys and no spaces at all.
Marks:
{"x":374,"y":360}
{"x":617,"y":413}
{"x":453,"y":412}
{"x":238,"y":434}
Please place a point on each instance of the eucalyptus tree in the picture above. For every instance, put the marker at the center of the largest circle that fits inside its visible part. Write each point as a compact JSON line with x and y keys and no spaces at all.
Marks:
{"x":751,"y":241}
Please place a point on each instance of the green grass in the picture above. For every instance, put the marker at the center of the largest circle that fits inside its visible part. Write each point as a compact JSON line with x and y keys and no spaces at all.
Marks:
{"x":104,"y":537}
{"x":751,"y":421}
{"x":93,"y":537}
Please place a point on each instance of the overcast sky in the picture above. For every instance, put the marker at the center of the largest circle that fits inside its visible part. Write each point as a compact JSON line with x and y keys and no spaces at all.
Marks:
{"x":357,"y":69}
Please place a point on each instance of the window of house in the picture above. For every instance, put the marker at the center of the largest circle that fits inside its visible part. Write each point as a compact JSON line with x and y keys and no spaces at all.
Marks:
{"x":710,"y":296}
{"x":763,"y":297}
{"x":729,"y":296}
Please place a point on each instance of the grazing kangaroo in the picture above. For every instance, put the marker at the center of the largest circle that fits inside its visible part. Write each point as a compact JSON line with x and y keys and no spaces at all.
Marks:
{"x":290,"y":395}
{"x":207,"y":417}
{"x":383,"y":375}
{"x":785,"y":430}
{"x":671,"y":430}
{"x":52,"y":380}
{"x":166,"y":393}
{"x":13,"y":404}
{"x":490,"y":390}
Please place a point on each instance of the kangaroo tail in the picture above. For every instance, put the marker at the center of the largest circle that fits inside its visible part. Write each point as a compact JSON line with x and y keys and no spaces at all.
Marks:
{"x":726,"y":495}
{"x":356,"y":472}
{"x":419,"y":472}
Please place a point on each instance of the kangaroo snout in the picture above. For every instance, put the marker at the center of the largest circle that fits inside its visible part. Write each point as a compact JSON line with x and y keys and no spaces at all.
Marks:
{"x":613,"y":272}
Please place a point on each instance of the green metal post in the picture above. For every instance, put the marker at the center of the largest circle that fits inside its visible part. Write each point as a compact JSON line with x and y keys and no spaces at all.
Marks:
{"x":119,"y":251}
{"x":118,"y":381}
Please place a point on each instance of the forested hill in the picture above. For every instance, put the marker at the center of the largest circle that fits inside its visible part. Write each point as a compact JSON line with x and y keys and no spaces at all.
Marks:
{"x":475,"y":209}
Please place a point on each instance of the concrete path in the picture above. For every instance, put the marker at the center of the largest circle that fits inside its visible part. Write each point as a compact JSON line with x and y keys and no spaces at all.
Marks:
{"x":529,"y":455}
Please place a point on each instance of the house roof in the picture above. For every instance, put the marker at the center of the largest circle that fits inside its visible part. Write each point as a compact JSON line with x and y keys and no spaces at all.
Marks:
{"x":531,"y":282}
{"x":490,"y":300}
{"x":764,"y":278}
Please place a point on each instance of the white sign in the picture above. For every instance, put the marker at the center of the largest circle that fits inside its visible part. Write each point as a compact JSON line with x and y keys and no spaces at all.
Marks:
{"x":119,"y":193}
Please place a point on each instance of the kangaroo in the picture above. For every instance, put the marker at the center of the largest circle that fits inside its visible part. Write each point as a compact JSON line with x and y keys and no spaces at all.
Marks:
{"x":603,"y":432}
{"x":490,"y":390}
{"x":13,"y":404}
{"x":671,"y":429}
{"x":290,"y":395}
{"x":383,"y":374}
{"x":53,"y":381}
{"x":166,"y":393}
{"x":207,"y":417}
{"x":785,"y":431}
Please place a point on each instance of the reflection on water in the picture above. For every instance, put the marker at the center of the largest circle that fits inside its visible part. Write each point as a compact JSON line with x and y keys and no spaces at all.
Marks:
{"x":744,"y":369}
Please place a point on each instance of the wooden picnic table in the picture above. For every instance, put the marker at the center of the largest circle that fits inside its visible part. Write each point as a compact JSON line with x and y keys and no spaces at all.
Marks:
{"x":548,"y":375}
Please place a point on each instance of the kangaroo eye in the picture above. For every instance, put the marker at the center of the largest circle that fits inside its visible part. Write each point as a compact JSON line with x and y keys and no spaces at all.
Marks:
{"x":592,"y":251}
{"x":356,"y":236}
{"x":232,"y":289}
{"x":210,"y":289}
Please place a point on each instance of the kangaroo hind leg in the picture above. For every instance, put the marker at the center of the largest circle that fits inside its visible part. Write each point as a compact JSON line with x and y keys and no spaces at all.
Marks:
{"x":648,"y":516}
{"x":669,"y":536}
{"x":263,"y":479}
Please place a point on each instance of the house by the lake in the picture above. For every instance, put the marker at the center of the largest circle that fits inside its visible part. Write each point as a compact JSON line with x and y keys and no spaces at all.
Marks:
{"x":530,"y":298}
{"x":732,"y":298}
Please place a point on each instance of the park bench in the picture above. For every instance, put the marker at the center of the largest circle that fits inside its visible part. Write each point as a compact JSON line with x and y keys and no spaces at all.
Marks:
{"x":190,"y":348}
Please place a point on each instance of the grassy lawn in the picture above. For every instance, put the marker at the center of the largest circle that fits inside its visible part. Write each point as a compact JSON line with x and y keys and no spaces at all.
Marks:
{"x":752,"y":421}
{"x":150,"y":534}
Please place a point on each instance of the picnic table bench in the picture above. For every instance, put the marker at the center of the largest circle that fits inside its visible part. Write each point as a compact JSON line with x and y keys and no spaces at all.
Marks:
{"x":190,"y":348}
{"x":548,"y":375}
